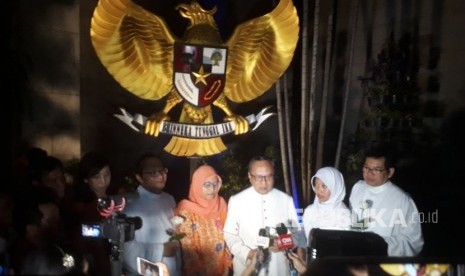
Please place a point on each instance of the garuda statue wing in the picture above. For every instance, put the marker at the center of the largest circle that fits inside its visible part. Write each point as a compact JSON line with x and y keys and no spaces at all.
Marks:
{"x":260,"y":50}
{"x":135,"y":46}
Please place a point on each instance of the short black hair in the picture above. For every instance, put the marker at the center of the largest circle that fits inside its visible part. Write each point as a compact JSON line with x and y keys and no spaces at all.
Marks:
{"x":260,"y":158}
{"x":91,"y":164}
{"x":140,"y":161}
{"x":47,"y":165}
{"x":383,"y":151}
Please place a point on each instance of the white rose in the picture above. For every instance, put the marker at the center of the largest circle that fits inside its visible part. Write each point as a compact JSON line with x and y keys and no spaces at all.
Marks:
{"x":177,"y":220}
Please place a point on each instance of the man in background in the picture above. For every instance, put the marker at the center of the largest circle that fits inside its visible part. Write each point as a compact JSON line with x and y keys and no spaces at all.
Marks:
{"x":384,"y":208}
{"x":155,"y":208}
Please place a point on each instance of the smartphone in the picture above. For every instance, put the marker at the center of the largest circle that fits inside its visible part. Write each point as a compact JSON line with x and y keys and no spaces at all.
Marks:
{"x":146,"y":268}
{"x":92,"y":231}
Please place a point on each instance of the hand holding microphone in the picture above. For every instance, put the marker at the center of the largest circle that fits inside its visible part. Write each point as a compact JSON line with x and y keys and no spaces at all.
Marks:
{"x":299,"y":264}
{"x":285,"y":243}
{"x":263,"y":241}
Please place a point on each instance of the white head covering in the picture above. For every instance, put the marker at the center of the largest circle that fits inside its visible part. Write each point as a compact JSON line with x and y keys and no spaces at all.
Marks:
{"x":333,"y":213}
{"x":334,"y":180}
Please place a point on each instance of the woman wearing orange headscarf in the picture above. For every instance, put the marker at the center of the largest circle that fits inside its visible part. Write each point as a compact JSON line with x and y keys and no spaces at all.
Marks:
{"x":204,"y":251}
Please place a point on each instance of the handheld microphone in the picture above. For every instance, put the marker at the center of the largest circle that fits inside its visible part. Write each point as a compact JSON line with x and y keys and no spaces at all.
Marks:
{"x":263,"y":241}
{"x":286,"y":243}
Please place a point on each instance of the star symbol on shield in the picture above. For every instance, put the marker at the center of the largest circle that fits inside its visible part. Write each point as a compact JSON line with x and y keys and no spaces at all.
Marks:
{"x":201,"y":76}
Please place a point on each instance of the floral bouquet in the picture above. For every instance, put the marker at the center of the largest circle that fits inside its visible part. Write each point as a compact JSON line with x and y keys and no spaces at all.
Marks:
{"x":362,"y":223}
{"x":174,"y":234}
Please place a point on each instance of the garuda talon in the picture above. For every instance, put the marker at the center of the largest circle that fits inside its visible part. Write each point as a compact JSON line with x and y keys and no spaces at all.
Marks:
{"x":198,"y":70}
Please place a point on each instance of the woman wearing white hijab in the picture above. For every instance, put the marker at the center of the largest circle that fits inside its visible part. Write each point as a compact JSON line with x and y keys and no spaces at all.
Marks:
{"x":328,"y":210}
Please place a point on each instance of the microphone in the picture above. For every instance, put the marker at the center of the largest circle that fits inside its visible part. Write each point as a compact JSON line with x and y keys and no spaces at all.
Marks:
{"x":285,"y":243}
{"x":262,"y":242}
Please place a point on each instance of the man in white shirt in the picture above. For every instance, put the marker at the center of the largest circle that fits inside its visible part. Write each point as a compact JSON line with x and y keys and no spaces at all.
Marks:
{"x":155,"y":208}
{"x":259,"y":206}
{"x":382,"y":207}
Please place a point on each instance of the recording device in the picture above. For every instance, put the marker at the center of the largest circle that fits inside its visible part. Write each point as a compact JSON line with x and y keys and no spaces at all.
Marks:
{"x":91,"y":231}
{"x":110,"y":205}
{"x":145,"y":267}
{"x":285,"y":243}
{"x":263,"y":242}
{"x":115,"y":223}
{"x":110,"y":228}
{"x":116,"y":227}
{"x":324,"y":243}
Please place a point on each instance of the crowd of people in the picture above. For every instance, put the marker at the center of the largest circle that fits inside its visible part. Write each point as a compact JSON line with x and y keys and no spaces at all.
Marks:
{"x":203,"y":234}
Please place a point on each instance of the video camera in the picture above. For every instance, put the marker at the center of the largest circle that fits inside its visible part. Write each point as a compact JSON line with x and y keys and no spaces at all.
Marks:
{"x":110,"y":228}
{"x":116,"y":226}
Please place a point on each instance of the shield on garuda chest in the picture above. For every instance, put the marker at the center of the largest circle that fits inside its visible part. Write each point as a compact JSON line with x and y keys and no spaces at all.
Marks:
{"x":199,"y":72}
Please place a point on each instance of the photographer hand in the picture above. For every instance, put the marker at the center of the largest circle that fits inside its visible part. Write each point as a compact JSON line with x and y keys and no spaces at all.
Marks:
{"x":251,"y":260}
{"x":164,"y":268}
{"x":170,"y":248}
{"x":299,"y":264}
{"x":252,"y":255}
{"x":274,"y":246}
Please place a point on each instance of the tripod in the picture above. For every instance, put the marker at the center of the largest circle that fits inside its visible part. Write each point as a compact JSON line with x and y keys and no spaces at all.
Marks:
{"x":117,"y":251}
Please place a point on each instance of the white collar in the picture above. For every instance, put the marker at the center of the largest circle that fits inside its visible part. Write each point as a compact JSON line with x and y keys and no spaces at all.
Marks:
{"x":378,"y":189}
{"x":146,"y":193}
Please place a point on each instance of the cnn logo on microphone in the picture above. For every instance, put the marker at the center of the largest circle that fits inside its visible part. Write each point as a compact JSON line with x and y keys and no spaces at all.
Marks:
{"x":285,"y":242}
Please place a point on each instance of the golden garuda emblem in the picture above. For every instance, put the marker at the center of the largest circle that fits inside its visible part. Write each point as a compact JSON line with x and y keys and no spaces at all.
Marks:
{"x":199,"y":70}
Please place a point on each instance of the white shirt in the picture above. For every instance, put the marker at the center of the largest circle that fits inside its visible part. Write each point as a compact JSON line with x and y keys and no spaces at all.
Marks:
{"x":248,"y":211}
{"x":333,"y":213}
{"x":155,"y":210}
{"x":393,"y":214}
{"x":317,"y":215}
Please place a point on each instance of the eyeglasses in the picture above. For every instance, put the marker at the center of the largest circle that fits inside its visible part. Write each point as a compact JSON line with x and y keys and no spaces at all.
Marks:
{"x":375,"y":171}
{"x":155,"y":171}
{"x":208,"y":185}
{"x":261,"y":178}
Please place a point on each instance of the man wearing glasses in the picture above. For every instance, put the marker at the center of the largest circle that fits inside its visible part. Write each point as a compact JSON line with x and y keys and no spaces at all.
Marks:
{"x":155,"y":208}
{"x":258,"y":207}
{"x":382,"y":207}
